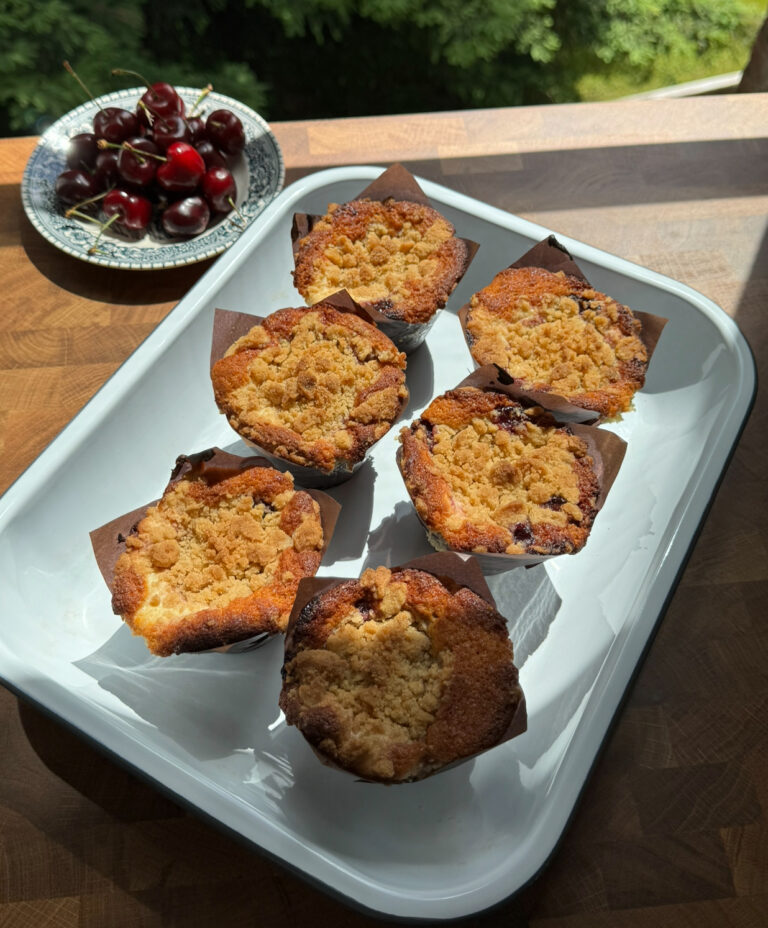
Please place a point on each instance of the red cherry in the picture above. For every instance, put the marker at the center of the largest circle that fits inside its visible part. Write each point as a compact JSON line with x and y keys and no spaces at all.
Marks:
{"x":170,"y":129}
{"x":183,"y":170}
{"x":82,"y":151}
{"x":161,"y":100}
{"x":196,"y":125}
{"x":134,"y":211}
{"x":72,"y":187}
{"x":105,"y":169}
{"x":186,"y":217}
{"x":115,"y":124}
{"x":219,"y":189}
{"x":212,"y":156}
{"x":226,"y":132}
{"x":135,"y":169}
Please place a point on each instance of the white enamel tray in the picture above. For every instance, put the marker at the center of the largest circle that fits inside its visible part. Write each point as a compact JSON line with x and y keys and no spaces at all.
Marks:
{"x":207,"y":728}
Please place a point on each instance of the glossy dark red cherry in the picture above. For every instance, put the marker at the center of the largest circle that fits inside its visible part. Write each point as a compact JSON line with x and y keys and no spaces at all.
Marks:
{"x":183,"y":170}
{"x":225,"y":131}
{"x":133,"y":210}
{"x":170,"y":129}
{"x":115,"y":124}
{"x":212,"y":156}
{"x":186,"y":217}
{"x":162,"y":100}
{"x":105,"y":169}
{"x":196,"y":125}
{"x":82,"y":151}
{"x":72,"y":187}
{"x":134,"y":168}
{"x":219,"y":189}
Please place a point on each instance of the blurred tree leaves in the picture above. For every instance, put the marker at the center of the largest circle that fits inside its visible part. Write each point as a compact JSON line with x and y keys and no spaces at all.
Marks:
{"x":164,"y":41}
{"x":312,"y":58}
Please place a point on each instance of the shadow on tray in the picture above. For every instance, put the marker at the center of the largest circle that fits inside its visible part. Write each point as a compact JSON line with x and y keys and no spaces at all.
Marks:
{"x":211,"y":704}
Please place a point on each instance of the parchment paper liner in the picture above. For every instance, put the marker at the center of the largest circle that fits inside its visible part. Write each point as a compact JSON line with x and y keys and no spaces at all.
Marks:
{"x":395,"y":183}
{"x":460,"y":570}
{"x":553,"y":256}
{"x":606,"y":449}
{"x":228,"y":326}
{"x":108,"y":541}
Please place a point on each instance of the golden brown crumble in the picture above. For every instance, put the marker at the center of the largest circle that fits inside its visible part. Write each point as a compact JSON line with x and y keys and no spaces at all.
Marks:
{"x":393,"y":676}
{"x":398,"y":257}
{"x":486,"y":476}
{"x":315,"y":386}
{"x":554,"y":332}
{"x":211,"y":560}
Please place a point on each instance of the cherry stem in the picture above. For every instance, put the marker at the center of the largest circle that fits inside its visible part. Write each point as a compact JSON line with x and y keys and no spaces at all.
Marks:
{"x":104,"y":226}
{"x":74,"y":210}
{"x":148,"y":113}
{"x":151,"y":113}
{"x":140,"y":155}
{"x":238,"y":225}
{"x":120,"y":71}
{"x":203,"y":94}
{"x":70,"y":70}
{"x":239,"y":214}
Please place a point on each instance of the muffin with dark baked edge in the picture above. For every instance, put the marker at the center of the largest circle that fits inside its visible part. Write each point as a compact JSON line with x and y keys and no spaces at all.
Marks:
{"x":213,"y":563}
{"x":314,"y":386}
{"x":554,"y":332}
{"x":488,"y":475}
{"x":395,"y":676}
{"x":396,"y":257}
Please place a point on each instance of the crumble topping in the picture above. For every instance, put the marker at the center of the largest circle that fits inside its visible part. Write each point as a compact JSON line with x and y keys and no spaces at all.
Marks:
{"x":506,"y":478}
{"x":378,"y":673}
{"x":326,"y":386}
{"x":204,"y":547}
{"x":399,"y":257}
{"x":487,"y":476}
{"x":393,"y":676}
{"x":554,"y":332}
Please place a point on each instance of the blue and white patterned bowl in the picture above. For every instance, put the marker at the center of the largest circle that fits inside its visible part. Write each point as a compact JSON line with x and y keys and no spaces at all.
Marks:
{"x":259,"y":175}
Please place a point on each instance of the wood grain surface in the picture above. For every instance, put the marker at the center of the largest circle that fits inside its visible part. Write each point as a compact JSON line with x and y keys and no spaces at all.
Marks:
{"x":672,"y":829}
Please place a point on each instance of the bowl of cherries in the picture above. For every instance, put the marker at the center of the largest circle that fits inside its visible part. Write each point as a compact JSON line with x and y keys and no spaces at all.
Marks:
{"x":151,"y":177}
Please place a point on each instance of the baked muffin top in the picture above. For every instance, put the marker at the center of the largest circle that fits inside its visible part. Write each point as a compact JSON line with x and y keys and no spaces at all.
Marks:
{"x":554,"y":332}
{"x":488,"y":475}
{"x":394,"y":256}
{"x":211,"y":564}
{"x":394,"y":676}
{"x":314,"y":386}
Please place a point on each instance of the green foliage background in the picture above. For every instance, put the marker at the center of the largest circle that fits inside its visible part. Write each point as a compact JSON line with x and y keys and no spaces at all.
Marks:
{"x":293,"y":59}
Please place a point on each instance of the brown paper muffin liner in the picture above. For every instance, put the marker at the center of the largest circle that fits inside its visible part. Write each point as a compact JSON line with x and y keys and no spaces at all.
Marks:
{"x":454,"y":570}
{"x":606,"y":449}
{"x":396,"y":183}
{"x":553,"y":256}
{"x":228,"y":327}
{"x":214,"y":465}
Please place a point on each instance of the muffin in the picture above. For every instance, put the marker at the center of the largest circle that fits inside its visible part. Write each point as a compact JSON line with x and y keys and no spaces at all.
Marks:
{"x":554,"y":332}
{"x":395,"y":257}
{"x":488,"y":475}
{"x":213,"y":563}
{"x":396,"y":675}
{"x":314,"y":386}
